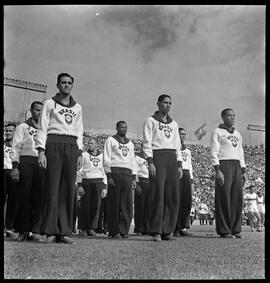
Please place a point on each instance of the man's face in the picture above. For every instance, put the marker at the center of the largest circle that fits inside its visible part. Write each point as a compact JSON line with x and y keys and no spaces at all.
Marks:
{"x":9,"y":132}
{"x":65,"y":85}
{"x":93,"y":144}
{"x":229,"y":118}
{"x":182,"y":134}
{"x":35,"y":112}
{"x":165,"y":105}
{"x":122,"y":129}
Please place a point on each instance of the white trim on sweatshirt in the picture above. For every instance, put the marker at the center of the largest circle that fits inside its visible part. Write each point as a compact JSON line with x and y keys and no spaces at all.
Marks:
{"x":158,"y":135}
{"x":60,"y":120}
{"x":117,"y":154}
{"x":226,"y":146}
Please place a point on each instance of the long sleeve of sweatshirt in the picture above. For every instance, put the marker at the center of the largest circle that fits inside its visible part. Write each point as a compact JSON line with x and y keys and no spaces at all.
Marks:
{"x":17,"y":143}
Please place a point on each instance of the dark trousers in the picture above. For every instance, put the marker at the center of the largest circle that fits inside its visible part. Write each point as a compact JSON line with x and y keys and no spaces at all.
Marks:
{"x":90,"y":203}
{"x":103,"y":217}
{"x":60,"y":188}
{"x":229,"y":199}
{"x":141,"y":208}
{"x":164,"y":193}
{"x":30,"y":195}
{"x":120,"y":205}
{"x":185,"y":201}
{"x":75,"y":211}
{"x":10,"y":192}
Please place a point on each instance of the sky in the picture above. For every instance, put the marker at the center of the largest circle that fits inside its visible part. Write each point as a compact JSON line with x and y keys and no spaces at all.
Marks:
{"x":206,"y":58}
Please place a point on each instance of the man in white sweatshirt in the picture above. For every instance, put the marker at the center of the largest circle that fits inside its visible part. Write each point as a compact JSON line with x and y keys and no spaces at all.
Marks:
{"x":162,"y":146}
{"x":185,"y":190}
{"x":120,"y":167}
{"x":10,"y":185}
{"x":30,"y":175}
{"x":227,"y":157}
{"x":60,"y":142}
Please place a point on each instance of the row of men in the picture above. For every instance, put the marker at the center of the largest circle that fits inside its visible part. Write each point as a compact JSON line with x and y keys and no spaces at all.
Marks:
{"x":54,"y":142}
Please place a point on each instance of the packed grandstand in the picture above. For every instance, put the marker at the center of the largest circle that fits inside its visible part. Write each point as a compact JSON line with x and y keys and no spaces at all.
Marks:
{"x":203,"y":187}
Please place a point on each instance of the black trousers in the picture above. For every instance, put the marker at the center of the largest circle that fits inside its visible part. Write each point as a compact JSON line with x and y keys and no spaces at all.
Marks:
{"x":120,"y":205}
{"x":30,"y":196}
{"x":90,"y":203}
{"x":103,"y":216}
{"x":60,"y":188}
{"x":141,"y":208}
{"x":9,"y":200}
{"x":164,"y":193}
{"x":185,"y":201}
{"x":229,"y":198}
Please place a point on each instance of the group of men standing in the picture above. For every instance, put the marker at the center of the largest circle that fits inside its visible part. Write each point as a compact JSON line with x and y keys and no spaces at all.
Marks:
{"x":47,"y":152}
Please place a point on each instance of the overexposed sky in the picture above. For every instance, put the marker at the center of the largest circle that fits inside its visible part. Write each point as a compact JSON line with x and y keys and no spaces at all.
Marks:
{"x":123,"y":57}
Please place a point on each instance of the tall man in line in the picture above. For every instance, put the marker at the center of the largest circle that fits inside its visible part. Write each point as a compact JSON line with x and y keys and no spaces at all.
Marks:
{"x":227,"y":157}
{"x":31,"y":177}
{"x":185,"y":190}
{"x":161,"y":144}
{"x":10,"y":185}
{"x":120,"y":167}
{"x":60,"y":143}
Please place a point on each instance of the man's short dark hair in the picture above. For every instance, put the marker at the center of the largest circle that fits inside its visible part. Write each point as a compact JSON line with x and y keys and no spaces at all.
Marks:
{"x":223,"y":112}
{"x":11,"y":124}
{"x":120,"y":122}
{"x":35,"y":102}
{"x":181,"y":129}
{"x":162,"y":97}
{"x":64,"y":75}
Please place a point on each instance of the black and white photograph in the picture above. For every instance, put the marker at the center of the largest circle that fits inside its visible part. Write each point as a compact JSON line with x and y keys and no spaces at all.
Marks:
{"x":134,"y":142}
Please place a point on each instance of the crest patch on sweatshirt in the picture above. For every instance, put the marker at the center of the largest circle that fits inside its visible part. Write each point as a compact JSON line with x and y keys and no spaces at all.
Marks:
{"x":233,"y":139}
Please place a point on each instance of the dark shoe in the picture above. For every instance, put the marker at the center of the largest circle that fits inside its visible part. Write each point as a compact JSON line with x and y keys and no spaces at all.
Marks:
{"x":51,"y":239}
{"x":226,"y":236}
{"x":11,"y":234}
{"x":166,"y":237}
{"x":116,"y":236}
{"x":22,"y":237}
{"x":238,"y":236}
{"x":83,"y":234}
{"x":91,"y":233}
{"x":177,"y":234}
{"x":185,"y":234}
{"x":66,"y":240}
{"x":125,"y":236}
{"x":139,"y":234}
{"x":35,"y":237}
{"x":157,"y":238}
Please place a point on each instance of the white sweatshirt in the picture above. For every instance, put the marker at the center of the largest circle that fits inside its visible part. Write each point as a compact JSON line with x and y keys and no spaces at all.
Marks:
{"x":142,"y":165}
{"x":160,"y":135}
{"x":117,"y":154}
{"x":226,"y":146}
{"x":23,"y":143}
{"x":92,"y":167}
{"x":186,"y":164}
{"x":60,"y":120}
{"x":8,"y":154}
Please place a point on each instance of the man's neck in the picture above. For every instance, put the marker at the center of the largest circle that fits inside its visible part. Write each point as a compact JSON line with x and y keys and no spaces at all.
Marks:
{"x":163,"y":116}
{"x":8,"y":142}
{"x":122,"y":137}
{"x":65,"y":99}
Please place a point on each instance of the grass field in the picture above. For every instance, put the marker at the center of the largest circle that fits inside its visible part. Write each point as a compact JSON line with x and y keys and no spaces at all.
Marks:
{"x":203,"y":256}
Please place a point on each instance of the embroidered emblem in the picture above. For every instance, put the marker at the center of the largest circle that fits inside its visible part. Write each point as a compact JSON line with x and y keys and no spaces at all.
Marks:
{"x":124,"y":151}
{"x":167,"y":133}
{"x":233,"y":140}
{"x":68,"y":118}
{"x":95,"y":163}
{"x":184,"y":155}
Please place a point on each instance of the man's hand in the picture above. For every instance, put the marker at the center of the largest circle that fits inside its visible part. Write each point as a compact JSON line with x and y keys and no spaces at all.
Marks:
{"x":134,"y":184}
{"x":42,"y":160}
{"x":104,"y":193}
{"x":79,"y":162}
{"x":152,"y":170}
{"x":180,"y":173}
{"x":220,"y":177}
{"x":244,"y":178}
{"x":80,"y":191}
{"x":15,"y":174}
{"x":111,"y":182}
{"x":138,"y":190}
